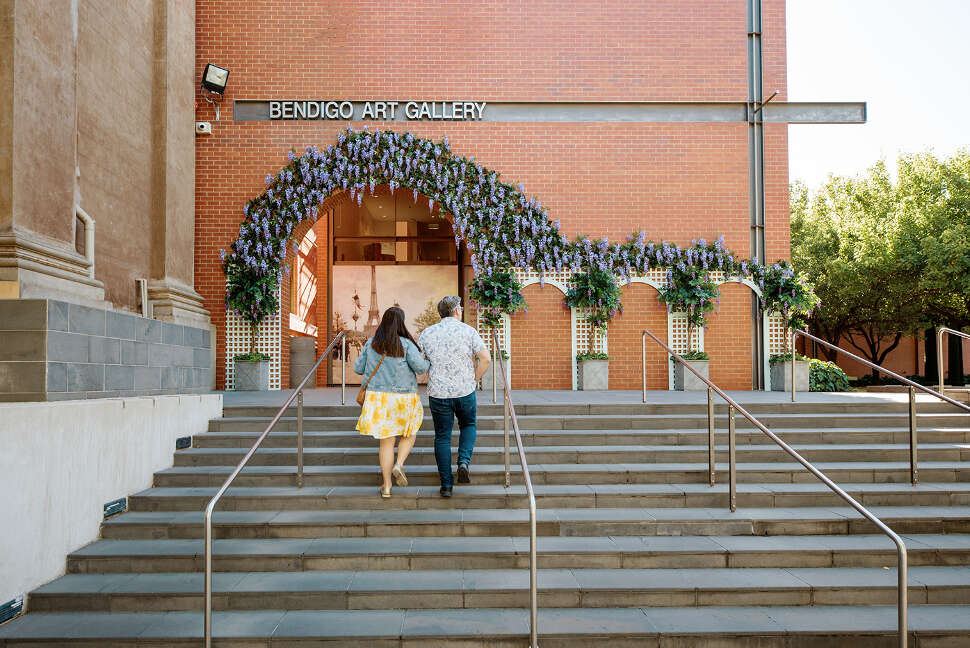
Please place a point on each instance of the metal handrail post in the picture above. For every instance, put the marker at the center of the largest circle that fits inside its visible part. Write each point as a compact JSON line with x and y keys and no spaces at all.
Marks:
{"x":913,"y":463}
{"x":732,"y":462}
{"x":792,"y":341}
{"x":527,"y":478}
{"x":939,"y":355}
{"x":211,"y":506}
{"x":902,"y":595}
{"x":643,"y":363}
{"x":343,"y":371}
{"x":495,"y":351}
{"x":710,"y":435}
{"x":299,"y":439}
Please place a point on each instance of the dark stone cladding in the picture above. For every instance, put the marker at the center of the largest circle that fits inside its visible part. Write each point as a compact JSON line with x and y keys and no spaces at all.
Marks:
{"x":52,"y":350}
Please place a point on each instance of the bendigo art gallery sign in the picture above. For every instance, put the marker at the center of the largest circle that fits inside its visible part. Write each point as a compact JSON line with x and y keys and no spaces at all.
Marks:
{"x":378,"y":110}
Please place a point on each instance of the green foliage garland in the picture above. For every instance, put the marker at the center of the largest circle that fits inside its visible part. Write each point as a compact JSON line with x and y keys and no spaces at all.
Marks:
{"x":495,"y":293}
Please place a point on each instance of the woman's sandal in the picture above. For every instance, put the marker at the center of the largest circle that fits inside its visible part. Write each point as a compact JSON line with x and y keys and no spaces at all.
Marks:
{"x":399,"y":476}
{"x":386,"y":494}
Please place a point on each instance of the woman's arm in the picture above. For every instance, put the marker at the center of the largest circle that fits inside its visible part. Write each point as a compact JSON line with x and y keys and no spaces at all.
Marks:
{"x":361,"y":362}
{"x":415,"y":359}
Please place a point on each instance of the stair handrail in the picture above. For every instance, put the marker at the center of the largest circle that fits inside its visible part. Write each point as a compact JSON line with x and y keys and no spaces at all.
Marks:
{"x":902,"y":556}
{"x":913,"y":386}
{"x":939,"y":348}
{"x":513,"y":422}
{"x":298,"y":395}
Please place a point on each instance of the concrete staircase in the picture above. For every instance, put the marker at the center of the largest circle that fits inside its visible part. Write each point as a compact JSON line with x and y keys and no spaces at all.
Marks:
{"x":635,"y":547}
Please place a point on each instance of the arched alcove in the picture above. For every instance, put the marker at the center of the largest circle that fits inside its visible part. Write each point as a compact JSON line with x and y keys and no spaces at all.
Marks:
{"x":641,"y":310}
{"x":542,"y":346}
{"x":728,"y":338}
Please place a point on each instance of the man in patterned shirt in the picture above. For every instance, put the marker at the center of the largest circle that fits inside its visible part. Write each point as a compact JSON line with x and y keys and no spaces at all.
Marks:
{"x":452,"y":347}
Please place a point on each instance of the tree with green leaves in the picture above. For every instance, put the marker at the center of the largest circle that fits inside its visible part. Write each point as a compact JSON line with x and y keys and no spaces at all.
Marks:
{"x":846,"y":238}
{"x":428,"y":317}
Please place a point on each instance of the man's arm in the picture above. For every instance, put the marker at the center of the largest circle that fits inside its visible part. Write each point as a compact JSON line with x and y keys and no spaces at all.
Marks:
{"x":483,"y":362}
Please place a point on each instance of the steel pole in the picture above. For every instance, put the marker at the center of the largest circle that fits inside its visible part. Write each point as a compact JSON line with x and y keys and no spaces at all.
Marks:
{"x":208,"y":577}
{"x":508,"y":461}
{"x":939,"y":356}
{"x":913,"y":465}
{"x":792,"y":342}
{"x":643,"y":363}
{"x":710,"y":435}
{"x":299,"y":439}
{"x":732,"y":459}
{"x":533,"y":580}
{"x":343,"y":370}
{"x":495,"y":352}
{"x":902,"y":593}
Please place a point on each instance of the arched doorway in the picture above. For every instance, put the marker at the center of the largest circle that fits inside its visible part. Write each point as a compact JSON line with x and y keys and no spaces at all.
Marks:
{"x":386,"y":249}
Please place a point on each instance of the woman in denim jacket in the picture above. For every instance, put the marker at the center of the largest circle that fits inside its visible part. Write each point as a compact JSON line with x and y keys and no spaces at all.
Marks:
{"x":392,"y":406}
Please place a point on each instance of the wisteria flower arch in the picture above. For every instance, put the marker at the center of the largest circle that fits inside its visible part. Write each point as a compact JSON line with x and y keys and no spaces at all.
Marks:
{"x":502,"y":227}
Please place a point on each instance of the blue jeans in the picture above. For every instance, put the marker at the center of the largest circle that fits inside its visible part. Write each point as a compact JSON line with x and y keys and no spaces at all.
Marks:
{"x":443,"y":413}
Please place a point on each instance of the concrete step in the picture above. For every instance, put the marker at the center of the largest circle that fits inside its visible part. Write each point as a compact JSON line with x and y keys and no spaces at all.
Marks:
{"x":491,"y":588}
{"x":423,"y":454}
{"x":581,"y":474}
{"x":245,"y":498}
{"x":486,"y":408}
{"x":617,"y":422}
{"x":930,"y":626}
{"x":550,"y":522}
{"x":351,"y":439}
{"x":603,"y":552}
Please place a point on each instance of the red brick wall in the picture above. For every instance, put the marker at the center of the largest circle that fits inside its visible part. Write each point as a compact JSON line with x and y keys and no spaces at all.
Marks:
{"x":641,"y":310}
{"x":541,"y":341}
{"x":728,"y":338}
{"x":677,"y":181}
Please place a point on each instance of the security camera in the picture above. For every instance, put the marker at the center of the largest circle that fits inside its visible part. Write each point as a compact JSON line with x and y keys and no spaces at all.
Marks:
{"x":203,"y":128}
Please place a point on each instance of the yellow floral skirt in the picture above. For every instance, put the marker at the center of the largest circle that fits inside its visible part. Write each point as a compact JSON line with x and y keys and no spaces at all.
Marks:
{"x":387,"y":414}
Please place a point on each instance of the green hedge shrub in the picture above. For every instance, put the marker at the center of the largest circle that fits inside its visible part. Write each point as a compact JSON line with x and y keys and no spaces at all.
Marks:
{"x":826,"y":376}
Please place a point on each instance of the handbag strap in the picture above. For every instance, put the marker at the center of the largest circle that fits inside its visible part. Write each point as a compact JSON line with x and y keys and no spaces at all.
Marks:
{"x":364,"y":386}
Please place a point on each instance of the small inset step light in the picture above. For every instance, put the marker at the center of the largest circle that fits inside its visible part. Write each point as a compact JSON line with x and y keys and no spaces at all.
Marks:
{"x":115,"y":507}
{"x":10,"y":609}
{"x":182,"y":443}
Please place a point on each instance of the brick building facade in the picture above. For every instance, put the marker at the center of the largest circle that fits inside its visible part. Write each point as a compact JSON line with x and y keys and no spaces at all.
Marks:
{"x":676,"y":180}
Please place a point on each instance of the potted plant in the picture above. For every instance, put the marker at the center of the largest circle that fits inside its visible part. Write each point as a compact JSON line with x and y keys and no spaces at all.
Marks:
{"x":690,"y":290}
{"x":788,"y":294}
{"x":687,"y":380}
{"x":496,"y":293}
{"x":595,"y":292}
{"x":487,"y":376}
{"x":781,"y":368}
{"x":251,"y":294}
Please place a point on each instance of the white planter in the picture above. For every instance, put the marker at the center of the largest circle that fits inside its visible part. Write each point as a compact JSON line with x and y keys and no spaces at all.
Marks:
{"x":594,"y":375}
{"x":250,"y":376}
{"x":685,"y":380}
{"x":781,"y":376}
{"x":486,"y":383}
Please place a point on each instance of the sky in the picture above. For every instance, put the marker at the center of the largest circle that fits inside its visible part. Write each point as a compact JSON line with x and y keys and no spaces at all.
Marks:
{"x":907,"y":59}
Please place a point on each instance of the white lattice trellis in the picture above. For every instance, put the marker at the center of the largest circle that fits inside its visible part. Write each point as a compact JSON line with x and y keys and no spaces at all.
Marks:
{"x":504,"y":334}
{"x":268,"y":342}
{"x":775,"y":332}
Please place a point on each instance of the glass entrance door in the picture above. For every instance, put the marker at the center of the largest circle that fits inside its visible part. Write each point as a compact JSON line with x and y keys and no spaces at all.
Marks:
{"x":387,"y":251}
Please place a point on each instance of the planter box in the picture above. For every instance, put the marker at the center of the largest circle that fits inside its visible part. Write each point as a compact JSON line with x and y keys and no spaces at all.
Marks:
{"x":250,"y":376}
{"x":303,"y":354}
{"x":487,"y":376}
{"x":685,"y":380}
{"x":594,"y":375}
{"x":781,"y":376}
